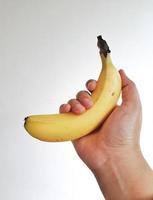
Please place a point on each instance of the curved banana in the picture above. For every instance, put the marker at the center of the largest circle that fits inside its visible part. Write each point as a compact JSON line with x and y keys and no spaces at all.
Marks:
{"x":69,"y":126}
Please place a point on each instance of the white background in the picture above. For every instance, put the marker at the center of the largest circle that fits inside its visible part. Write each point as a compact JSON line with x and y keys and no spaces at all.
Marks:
{"x":47,"y":53}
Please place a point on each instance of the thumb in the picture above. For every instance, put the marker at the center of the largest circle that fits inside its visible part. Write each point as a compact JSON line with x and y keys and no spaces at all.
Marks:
{"x":130,"y":93}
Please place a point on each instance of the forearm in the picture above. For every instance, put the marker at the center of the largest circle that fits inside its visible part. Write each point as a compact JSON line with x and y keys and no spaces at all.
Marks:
{"x":127,"y":178}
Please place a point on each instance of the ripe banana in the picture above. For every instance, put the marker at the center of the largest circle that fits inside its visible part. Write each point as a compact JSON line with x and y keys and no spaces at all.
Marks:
{"x":69,"y":126}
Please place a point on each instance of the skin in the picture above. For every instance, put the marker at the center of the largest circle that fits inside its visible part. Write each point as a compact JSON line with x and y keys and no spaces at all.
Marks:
{"x":112,"y":152}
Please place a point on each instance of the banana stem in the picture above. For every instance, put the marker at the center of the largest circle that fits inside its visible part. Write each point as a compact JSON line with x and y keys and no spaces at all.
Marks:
{"x":103,"y":46}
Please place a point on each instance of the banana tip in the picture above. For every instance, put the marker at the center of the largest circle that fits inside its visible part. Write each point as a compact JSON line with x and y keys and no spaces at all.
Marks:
{"x":25,"y":119}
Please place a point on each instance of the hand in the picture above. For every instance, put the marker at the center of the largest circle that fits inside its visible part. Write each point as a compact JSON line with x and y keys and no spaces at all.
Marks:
{"x":119,"y":132}
{"x":112,"y":151}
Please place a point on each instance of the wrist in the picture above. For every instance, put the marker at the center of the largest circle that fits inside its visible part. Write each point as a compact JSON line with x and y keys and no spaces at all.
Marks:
{"x":125,"y":175}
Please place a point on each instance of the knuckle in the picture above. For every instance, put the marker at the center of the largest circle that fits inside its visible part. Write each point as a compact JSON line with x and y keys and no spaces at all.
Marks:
{"x":133,"y":106}
{"x":62,"y":105}
{"x":71,"y":101}
{"x":82,"y":93}
{"x":89,"y":81}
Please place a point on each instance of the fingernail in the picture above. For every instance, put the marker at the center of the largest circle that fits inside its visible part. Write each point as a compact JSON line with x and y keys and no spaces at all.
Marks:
{"x":79,"y":108}
{"x":88,"y":103}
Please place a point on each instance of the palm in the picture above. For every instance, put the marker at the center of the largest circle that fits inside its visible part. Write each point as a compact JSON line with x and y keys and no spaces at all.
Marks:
{"x":116,"y":131}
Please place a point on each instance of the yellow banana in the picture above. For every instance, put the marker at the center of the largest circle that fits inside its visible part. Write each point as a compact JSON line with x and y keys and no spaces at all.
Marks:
{"x":69,"y":126}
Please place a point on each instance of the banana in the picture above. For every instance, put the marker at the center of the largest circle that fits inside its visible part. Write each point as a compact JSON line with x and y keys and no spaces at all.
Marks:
{"x":69,"y":126}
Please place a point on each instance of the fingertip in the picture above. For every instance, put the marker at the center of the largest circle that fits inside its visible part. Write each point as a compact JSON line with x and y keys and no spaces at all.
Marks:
{"x":91,"y":84}
{"x":61,"y":109}
{"x":122,"y":73}
{"x":124,"y":77}
{"x":64,"y":108}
